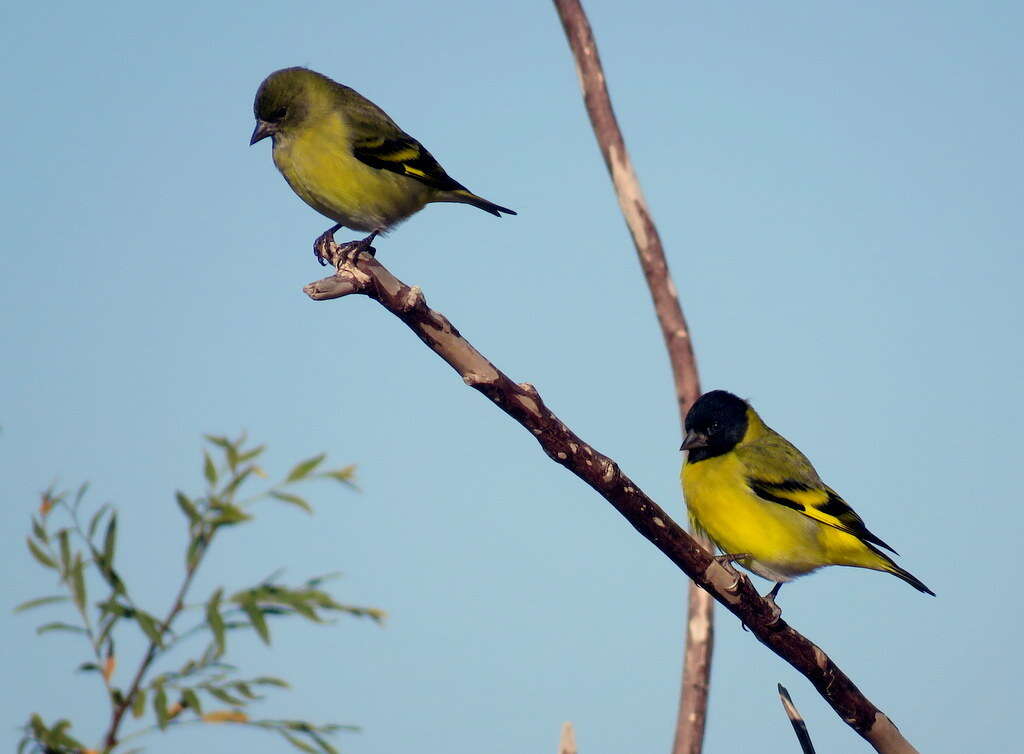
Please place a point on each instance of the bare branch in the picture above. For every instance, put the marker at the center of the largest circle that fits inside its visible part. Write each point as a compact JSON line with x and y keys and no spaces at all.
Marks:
{"x":523,"y":403}
{"x":693,"y":697}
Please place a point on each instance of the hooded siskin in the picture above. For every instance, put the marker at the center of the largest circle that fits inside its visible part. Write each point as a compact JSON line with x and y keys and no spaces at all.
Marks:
{"x":754,"y":493}
{"x":346,"y":158}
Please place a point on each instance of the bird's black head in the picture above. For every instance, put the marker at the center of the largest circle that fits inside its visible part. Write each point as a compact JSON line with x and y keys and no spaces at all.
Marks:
{"x":715,"y":424}
{"x":284,"y":99}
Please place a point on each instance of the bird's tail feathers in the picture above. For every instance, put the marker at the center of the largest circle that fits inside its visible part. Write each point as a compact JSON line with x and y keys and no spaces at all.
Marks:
{"x":902,"y":573}
{"x":468,"y":197}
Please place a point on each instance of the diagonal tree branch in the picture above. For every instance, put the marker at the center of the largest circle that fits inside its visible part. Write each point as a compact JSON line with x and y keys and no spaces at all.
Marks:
{"x":693,"y":695}
{"x":523,"y":403}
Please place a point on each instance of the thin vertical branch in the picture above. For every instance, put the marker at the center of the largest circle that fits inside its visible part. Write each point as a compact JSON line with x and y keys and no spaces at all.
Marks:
{"x":567,"y":741}
{"x":693,"y":701}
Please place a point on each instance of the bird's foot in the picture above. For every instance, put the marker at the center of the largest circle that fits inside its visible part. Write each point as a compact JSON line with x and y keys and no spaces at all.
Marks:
{"x":322,"y":245}
{"x":727,"y":560}
{"x":349,"y":252}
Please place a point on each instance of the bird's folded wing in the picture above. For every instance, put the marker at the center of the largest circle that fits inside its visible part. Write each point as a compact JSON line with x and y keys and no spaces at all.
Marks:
{"x":402,"y":154}
{"x":819,"y":502}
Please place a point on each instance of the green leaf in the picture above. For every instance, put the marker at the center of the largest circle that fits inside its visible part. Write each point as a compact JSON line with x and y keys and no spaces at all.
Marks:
{"x":58,"y":626}
{"x":150,"y":627}
{"x":304,"y":468}
{"x":224,"y":696}
{"x":190,"y":699}
{"x":113,"y":607}
{"x":39,"y":729}
{"x":227,"y":514}
{"x":219,"y":440}
{"x":58,"y":737}
{"x":105,"y":628}
{"x":250,"y":454}
{"x":196,"y":548}
{"x":89,"y":667}
{"x":39,"y":530}
{"x":259,"y":622}
{"x":187,"y":507}
{"x":139,"y":704}
{"x":214,"y":619}
{"x":231,"y":487}
{"x":94,"y":522}
{"x":65,"y":550}
{"x":39,"y":555}
{"x":209,"y":470}
{"x":297,"y":742}
{"x":110,"y":541}
{"x":344,"y":475}
{"x":244,"y":689}
{"x":232,"y":455}
{"x":266,"y":680}
{"x":80,"y":495}
{"x":293,"y":499}
{"x":324,"y":745}
{"x":41,"y":601}
{"x":160,"y":705}
{"x":78,"y":581}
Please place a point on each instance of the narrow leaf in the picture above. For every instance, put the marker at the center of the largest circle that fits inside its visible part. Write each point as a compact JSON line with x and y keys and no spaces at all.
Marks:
{"x":250,"y":454}
{"x":139,"y":704}
{"x":187,"y":507}
{"x":40,"y":601}
{"x":228,"y":513}
{"x":304,"y":468}
{"x":57,"y":626}
{"x":297,"y":742}
{"x":231,"y":487}
{"x":39,"y":531}
{"x":293,"y":499}
{"x":344,"y":475}
{"x":214,"y":619}
{"x":110,"y":541}
{"x":149,"y":627}
{"x":196,"y":547}
{"x":223,"y":695}
{"x":39,"y":555}
{"x":78,"y":581}
{"x":190,"y":699}
{"x":209,"y":470}
{"x":94,"y":522}
{"x":259,"y":622}
{"x":266,"y":680}
{"x":160,"y":705}
{"x":65,"y":550}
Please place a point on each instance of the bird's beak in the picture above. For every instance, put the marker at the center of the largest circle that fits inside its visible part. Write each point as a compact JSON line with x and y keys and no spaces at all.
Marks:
{"x":694,"y":440}
{"x":262,"y":131}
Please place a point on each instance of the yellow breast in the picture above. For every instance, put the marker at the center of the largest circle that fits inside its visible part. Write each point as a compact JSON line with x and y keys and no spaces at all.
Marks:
{"x":782,"y":542}
{"x":319,"y":165}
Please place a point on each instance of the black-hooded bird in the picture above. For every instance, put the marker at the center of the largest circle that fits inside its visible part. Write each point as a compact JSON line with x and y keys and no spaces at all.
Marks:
{"x":347,"y":159}
{"x":762,"y":503}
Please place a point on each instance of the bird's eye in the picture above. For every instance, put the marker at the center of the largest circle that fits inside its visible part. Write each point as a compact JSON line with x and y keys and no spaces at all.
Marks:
{"x":278,"y":114}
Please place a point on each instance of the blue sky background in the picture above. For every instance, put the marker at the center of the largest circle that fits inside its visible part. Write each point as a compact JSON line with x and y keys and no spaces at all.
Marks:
{"x":838,"y":187}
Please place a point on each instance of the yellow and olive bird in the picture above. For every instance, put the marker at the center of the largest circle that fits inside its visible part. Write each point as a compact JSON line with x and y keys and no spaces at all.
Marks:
{"x":762,"y":503}
{"x":347,"y":159}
